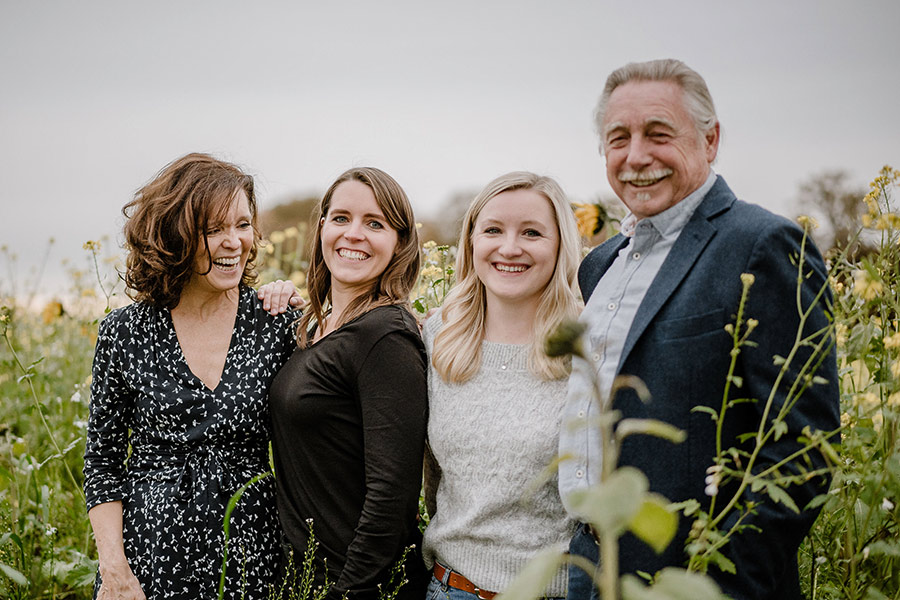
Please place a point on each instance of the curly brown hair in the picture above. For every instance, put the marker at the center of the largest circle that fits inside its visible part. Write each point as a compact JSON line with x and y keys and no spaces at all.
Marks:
{"x":393,"y":286}
{"x":166,"y":224}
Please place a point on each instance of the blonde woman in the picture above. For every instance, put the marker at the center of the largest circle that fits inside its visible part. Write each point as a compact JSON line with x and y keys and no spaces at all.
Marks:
{"x":495,"y":399}
{"x":349,"y":407}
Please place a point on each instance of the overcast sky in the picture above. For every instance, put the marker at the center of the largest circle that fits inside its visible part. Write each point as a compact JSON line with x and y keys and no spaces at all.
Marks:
{"x":95,"y":97}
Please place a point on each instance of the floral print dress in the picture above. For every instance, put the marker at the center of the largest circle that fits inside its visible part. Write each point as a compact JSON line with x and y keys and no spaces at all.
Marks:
{"x":191,"y":448}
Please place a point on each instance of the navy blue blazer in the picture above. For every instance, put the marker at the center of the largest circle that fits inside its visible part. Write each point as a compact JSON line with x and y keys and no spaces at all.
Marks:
{"x":678,"y":346}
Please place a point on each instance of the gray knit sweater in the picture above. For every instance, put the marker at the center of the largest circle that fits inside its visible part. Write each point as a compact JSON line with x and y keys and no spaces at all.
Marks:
{"x":493,"y":437}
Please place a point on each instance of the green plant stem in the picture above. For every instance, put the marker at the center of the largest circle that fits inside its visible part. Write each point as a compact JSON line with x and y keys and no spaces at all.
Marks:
{"x":609,"y":543}
{"x":763,"y":432}
{"x":40,"y":411}
{"x":226,"y":525}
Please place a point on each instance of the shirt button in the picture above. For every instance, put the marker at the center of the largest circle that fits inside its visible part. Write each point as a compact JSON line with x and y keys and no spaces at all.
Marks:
{"x":636,"y":256}
{"x":595,"y":357}
{"x":502,"y":367}
{"x":579,"y":473}
{"x":580,"y":414}
{"x":611,"y":306}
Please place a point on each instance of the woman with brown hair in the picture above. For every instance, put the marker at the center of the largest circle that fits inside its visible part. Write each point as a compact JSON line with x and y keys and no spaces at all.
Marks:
{"x":179,"y":389}
{"x":349,"y":407}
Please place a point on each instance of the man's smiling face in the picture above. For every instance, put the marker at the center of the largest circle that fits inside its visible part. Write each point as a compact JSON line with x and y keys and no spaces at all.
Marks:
{"x":655,"y":156}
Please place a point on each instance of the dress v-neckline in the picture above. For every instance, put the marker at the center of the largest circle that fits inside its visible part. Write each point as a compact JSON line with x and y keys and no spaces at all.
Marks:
{"x":181,"y":359}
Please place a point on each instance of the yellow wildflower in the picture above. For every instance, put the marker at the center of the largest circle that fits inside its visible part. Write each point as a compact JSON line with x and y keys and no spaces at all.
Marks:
{"x":807,"y":222}
{"x":888,"y":221}
{"x":892,"y":341}
{"x":291,"y":232}
{"x":429,"y":245}
{"x":866,"y":401}
{"x":298,"y":278}
{"x":865,"y":287}
{"x":277,"y":237}
{"x":894,"y":400}
{"x":52,"y":311}
{"x":431,"y":272}
{"x":747,"y":279}
{"x":92,"y":245}
{"x":866,"y":220}
{"x":588,"y":218}
{"x":845,"y":420}
{"x":859,"y":376}
{"x":840,"y":333}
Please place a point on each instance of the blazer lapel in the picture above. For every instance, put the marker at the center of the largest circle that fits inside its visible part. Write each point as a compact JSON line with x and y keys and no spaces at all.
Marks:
{"x":685,"y":252}
{"x":595,"y":264}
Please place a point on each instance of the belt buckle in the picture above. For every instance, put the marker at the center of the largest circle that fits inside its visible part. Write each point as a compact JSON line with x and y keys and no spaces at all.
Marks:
{"x":480,"y":597}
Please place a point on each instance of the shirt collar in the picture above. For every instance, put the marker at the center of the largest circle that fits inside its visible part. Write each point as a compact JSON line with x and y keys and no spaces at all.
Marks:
{"x":671,"y":221}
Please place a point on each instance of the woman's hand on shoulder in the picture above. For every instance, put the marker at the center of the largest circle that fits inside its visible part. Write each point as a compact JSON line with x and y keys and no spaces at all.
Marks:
{"x":119,"y":583}
{"x":279,"y":295}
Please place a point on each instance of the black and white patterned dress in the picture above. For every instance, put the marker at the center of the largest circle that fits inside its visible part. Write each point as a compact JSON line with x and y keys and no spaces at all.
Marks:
{"x":191,"y":449}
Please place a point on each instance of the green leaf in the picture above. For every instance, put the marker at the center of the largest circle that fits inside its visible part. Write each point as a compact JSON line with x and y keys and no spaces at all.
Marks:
{"x":723,"y":562}
{"x":609,"y":506}
{"x":779,"y":428}
{"x":14,"y":575}
{"x":532,"y":580}
{"x":652,"y":427}
{"x":816,"y":502}
{"x":746,"y":436}
{"x":736,"y":380}
{"x":671,"y":584}
{"x":654,"y":524}
{"x":687,"y":507}
{"x":777,"y":494}
{"x":884,"y":548}
{"x":707,"y":409}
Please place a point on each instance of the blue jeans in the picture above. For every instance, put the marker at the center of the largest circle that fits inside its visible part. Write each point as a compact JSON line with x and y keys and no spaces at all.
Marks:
{"x":581,"y":586}
{"x":439,"y":591}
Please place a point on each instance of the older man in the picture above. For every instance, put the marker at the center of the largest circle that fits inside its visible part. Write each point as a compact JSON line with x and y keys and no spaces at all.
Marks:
{"x":658,"y":297}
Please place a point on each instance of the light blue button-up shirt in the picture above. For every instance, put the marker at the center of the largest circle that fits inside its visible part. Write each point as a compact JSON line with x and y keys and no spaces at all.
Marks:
{"x":608,"y":316}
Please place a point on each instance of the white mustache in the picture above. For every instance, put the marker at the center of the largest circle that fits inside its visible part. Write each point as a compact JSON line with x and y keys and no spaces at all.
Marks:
{"x":643,"y":176}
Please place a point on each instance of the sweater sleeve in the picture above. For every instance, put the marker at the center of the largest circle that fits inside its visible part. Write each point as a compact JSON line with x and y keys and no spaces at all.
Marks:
{"x":106,"y":446}
{"x":392,"y":396}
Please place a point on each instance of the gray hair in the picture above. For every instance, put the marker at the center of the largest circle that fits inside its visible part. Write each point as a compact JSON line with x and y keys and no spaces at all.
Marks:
{"x":697,"y":99}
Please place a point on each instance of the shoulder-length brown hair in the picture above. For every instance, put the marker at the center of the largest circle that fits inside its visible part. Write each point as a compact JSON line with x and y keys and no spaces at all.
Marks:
{"x":166,"y":224}
{"x":395,"y":283}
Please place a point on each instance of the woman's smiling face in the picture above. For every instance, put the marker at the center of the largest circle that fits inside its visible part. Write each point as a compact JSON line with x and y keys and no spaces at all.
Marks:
{"x":515,"y":242}
{"x":357,"y":241}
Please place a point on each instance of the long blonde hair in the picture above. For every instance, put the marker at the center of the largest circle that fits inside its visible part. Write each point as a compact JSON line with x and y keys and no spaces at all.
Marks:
{"x":457,"y":346}
{"x":393,"y":286}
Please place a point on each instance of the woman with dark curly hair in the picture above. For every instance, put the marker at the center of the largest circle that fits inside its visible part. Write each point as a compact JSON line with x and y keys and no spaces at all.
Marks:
{"x":179,"y":388}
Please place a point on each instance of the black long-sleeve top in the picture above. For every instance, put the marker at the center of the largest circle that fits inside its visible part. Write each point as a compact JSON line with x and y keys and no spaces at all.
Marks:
{"x":349,"y":420}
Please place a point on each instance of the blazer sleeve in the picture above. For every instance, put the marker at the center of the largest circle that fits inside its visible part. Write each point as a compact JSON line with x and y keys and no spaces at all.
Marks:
{"x":393,"y":400}
{"x":763,"y":552}
{"x":106,"y":446}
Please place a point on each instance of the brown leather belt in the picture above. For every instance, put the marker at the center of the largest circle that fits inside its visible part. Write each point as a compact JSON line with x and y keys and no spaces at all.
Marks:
{"x":461,"y":583}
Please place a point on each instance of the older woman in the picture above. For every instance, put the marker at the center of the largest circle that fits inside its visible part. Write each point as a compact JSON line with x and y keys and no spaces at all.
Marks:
{"x":349,"y":406}
{"x":495,"y":398}
{"x":180,"y":379}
